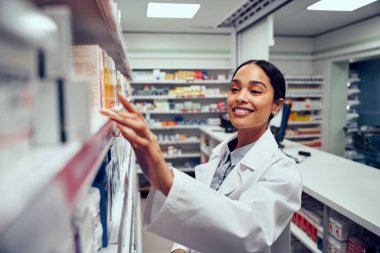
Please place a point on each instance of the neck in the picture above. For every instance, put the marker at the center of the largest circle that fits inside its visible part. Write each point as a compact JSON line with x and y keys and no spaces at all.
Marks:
{"x":248,"y":135}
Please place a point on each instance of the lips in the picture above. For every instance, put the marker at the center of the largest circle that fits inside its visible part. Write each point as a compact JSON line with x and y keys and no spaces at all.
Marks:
{"x":241,"y":111}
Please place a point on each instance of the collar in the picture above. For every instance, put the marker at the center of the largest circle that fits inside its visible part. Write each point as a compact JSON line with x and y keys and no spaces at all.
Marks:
{"x":258,"y":153}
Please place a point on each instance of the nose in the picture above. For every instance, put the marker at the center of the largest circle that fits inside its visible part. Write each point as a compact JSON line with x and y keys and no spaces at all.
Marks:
{"x":242,"y":96}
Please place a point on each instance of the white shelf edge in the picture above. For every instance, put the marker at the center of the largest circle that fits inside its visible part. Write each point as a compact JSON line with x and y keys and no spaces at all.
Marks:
{"x":304,"y":136}
{"x":179,"y":142}
{"x":181,"y":82}
{"x":300,"y":235}
{"x":205,"y":151}
{"x":291,"y":123}
{"x":179,"y":112}
{"x":63,"y":160}
{"x":142,"y":97}
{"x":176,"y":127}
{"x":304,"y":95}
{"x":305,"y":110}
{"x":183,"y":155}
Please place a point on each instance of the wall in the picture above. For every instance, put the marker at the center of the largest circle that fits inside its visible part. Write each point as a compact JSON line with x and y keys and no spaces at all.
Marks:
{"x":171,"y":51}
{"x":292,"y":55}
{"x":369,"y":72}
{"x":254,"y":42}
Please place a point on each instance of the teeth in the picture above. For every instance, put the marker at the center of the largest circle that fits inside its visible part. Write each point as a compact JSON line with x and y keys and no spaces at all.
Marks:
{"x":242,"y":110}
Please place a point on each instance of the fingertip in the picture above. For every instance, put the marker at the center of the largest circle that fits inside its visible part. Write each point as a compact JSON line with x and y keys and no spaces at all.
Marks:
{"x":104,"y":111}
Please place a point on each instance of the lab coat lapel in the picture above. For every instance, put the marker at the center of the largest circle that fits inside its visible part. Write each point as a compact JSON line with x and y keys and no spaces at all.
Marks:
{"x":256,"y":160}
{"x":205,"y":172}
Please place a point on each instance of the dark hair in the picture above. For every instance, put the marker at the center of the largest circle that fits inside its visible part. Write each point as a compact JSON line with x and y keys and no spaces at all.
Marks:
{"x":275,"y":76}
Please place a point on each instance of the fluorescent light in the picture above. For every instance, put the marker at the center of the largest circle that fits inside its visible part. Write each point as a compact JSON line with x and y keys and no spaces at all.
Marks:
{"x":338,"y":5}
{"x":169,"y":10}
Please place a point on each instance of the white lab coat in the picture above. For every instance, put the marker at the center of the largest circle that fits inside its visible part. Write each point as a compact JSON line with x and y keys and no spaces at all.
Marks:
{"x":251,"y":211}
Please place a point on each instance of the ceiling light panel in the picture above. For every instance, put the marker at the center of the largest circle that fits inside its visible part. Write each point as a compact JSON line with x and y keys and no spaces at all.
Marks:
{"x":171,"y":10}
{"x":339,"y":5}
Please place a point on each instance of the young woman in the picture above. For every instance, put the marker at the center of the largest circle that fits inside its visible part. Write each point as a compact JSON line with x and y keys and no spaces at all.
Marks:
{"x":243,"y":199}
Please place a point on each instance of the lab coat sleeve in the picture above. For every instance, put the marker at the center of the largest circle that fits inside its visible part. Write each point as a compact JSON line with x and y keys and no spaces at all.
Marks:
{"x":202,"y":219}
{"x":179,"y":246}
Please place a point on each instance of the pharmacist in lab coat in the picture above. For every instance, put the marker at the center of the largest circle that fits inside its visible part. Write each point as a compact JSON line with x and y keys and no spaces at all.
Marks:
{"x":243,"y":199}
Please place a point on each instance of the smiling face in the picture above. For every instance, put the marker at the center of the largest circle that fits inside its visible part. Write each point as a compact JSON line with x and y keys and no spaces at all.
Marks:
{"x":251,"y":99}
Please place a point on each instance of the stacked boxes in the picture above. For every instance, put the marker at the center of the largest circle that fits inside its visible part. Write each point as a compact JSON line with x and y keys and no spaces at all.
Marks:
{"x":310,"y":219}
{"x":339,"y":228}
{"x":108,"y":182}
{"x":88,"y":62}
{"x":94,"y":64}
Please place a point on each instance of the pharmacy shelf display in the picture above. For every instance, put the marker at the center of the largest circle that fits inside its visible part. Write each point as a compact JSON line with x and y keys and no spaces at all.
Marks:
{"x":335,"y":217}
{"x":352,"y":126}
{"x":305,"y":120}
{"x":97,"y":25}
{"x":64,"y":179}
{"x":176,"y":103}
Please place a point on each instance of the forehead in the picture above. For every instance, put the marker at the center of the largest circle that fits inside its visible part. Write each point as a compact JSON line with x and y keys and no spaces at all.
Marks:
{"x":252,"y":72}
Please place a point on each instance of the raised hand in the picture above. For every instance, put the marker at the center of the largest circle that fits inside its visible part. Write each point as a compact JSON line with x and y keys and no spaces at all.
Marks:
{"x":133,"y":127}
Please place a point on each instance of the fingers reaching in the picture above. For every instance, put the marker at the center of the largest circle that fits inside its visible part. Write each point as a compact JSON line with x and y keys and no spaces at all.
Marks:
{"x":131,"y":126}
{"x":128,"y":106}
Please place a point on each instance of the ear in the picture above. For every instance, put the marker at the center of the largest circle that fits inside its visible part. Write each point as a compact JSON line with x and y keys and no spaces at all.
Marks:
{"x":277,"y":105}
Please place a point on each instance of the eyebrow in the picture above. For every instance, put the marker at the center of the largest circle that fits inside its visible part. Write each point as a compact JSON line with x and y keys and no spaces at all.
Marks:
{"x":252,"y":82}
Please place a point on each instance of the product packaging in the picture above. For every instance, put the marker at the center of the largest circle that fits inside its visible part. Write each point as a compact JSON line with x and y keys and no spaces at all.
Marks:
{"x":58,"y":60}
{"x":88,"y":63}
{"x":60,"y":114}
{"x":18,"y":68}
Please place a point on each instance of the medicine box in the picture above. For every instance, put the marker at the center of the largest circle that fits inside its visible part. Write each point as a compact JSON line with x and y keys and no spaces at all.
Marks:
{"x":61,"y":111}
{"x":58,"y":60}
{"x":88,"y":63}
{"x":339,"y":227}
{"x":18,"y":68}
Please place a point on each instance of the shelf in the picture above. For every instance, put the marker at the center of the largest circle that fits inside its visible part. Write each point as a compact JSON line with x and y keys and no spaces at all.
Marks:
{"x":206,"y":151}
{"x":305,"y":110}
{"x":175,"y":127}
{"x":301,"y":236}
{"x":183,"y":155}
{"x":179,"y":142}
{"x":96,"y":25}
{"x":179,"y":112}
{"x":304,"y":136}
{"x":354,"y":80}
{"x":353,"y":102}
{"x":181,"y":82}
{"x":183,"y":169}
{"x":309,"y":82}
{"x":72,"y":166}
{"x":151,"y":97}
{"x":353,"y":91}
{"x":304,"y":96}
{"x":291,"y":123}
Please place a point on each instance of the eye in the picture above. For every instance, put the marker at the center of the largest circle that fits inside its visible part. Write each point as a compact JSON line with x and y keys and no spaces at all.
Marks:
{"x":256,"y":91}
{"x":233,"y":90}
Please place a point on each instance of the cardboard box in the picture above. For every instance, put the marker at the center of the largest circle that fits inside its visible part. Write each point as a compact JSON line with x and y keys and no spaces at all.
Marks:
{"x":88,"y":63}
{"x":61,"y":112}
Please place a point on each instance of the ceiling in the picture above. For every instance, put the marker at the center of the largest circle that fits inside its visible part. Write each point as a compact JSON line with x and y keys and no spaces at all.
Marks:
{"x":209,"y":16}
{"x":293,"y":19}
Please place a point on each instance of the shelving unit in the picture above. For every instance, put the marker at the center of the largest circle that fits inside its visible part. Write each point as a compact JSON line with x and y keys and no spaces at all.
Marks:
{"x":47,"y":187}
{"x":97,"y":25}
{"x":300,"y":235}
{"x":173,"y":107}
{"x":305,"y":93}
{"x":352,"y":126}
